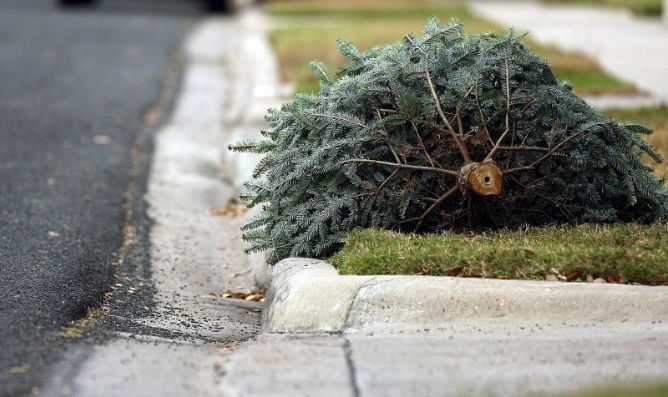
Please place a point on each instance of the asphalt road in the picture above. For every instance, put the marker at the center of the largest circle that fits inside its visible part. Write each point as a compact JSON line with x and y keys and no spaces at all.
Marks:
{"x":75,"y":90}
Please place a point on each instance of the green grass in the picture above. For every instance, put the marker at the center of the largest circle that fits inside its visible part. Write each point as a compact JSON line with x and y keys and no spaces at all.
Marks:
{"x":651,"y":390}
{"x":639,"y":7}
{"x":304,"y":31}
{"x":620,"y":253}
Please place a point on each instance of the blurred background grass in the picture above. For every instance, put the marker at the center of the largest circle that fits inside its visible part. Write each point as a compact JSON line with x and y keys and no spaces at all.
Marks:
{"x":639,"y":7}
{"x":307,"y":30}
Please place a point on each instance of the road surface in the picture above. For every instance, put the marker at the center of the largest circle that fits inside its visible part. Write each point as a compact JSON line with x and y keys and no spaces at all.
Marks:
{"x":77,"y":89}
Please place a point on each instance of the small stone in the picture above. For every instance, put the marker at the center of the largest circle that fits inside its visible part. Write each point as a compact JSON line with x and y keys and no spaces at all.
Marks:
{"x":600,"y":281}
{"x":590,"y":278}
{"x":101,"y":139}
{"x":551,"y":277}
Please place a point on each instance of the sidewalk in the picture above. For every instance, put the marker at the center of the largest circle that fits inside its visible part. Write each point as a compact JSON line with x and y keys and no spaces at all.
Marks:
{"x":633,"y":49}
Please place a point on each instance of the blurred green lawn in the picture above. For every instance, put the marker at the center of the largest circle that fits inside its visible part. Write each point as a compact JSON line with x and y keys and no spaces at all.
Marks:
{"x":304,"y":31}
{"x":639,"y":7}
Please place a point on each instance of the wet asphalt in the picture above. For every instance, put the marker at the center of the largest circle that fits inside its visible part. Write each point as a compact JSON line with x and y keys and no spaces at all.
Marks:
{"x":80,"y":93}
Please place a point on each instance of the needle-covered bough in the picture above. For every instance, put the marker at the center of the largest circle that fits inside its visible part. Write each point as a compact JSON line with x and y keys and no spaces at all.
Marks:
{"x":448,"y":132}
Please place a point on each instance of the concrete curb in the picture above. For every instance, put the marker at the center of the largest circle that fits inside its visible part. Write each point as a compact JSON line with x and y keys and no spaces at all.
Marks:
{"x":308,"y":296}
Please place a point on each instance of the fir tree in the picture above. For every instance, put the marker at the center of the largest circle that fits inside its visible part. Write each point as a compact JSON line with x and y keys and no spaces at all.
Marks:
{"x":448,"y":132}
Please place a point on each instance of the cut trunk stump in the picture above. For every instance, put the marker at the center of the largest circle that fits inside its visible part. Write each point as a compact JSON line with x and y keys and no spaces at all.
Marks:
{"x":483,"y":178}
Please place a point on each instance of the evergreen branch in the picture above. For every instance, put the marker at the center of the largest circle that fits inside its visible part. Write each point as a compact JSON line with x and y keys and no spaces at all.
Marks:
{"x":431,"y":209}
{"x":424,"y":149}
{"x":408,"y":37}
{"x":523,"y":149}
{"x":387,"y":138}
{"x":560,"y":206}
{"x":507,"y":130}
{"x":403,"y":166}
{"x":477,"y":102}
{"x":380,"y":188}
{"x":551,"y":151}
{"x":417,"y":135}
{"x":338,"y":118}
{"x":460,"y":124}
{"x":462,"y":147}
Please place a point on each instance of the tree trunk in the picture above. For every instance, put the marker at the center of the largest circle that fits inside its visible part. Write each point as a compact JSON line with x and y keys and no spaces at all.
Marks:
{"x":483,"y":178}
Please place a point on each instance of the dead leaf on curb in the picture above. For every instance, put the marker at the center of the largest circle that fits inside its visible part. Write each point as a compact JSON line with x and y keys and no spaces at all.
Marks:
{"x":19,"y":370}
{"x":227,"y":349}
{"x":251,"y":296}
{"x":574,"y":275}
{"x":233,"y":209}
{"x":71,"y":333}
{"x":455,"y":271}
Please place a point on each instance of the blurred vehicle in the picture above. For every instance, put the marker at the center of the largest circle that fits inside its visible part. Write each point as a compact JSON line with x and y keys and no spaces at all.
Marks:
{"x":212,"y":5}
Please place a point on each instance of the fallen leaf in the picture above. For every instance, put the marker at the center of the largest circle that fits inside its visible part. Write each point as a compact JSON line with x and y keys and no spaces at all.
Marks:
{"x":101,"y":139}
{"x":19,"y":370}
{"x":227,"y":349}
{"x":454,"y":272}
{"x":233,"y":209}
{"x":71,"y":333}
{"x":251,"y":296}
{"x":574,"y":275}
{"x":615,"y":279}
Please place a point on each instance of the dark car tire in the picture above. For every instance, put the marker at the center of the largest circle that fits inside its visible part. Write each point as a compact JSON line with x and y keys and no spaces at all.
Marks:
{"x":220,"y":5}
{"x":67,"y":3}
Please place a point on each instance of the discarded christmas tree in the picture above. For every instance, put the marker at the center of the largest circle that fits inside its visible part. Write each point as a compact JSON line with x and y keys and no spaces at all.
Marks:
{"x":449,"y":132}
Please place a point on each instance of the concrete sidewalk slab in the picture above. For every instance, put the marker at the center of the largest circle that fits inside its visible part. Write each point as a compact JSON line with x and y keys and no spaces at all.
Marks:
{"x":633,"y":49}
{"x":315,"y":366}
{"x":331,"y":335}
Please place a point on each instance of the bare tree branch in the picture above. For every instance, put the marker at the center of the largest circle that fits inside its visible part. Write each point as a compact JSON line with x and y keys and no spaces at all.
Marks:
{"x":387,"y":139}
{"x":548,"y":154}
{"x":419,"y":139}
{"x":462,"y":147}
{"x":503,"y":136}
{"x":403,"y":166}
{"x":431,"y":209}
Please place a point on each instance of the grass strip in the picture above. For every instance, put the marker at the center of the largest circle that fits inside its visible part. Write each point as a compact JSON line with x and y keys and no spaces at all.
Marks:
{"x":621,"y":253}
{"x":617,"y":253}
{"x":644,"y":390}
{"x":638,"y":7}
{"x":304,"y":31}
